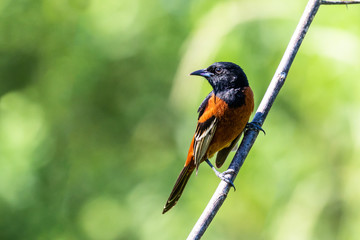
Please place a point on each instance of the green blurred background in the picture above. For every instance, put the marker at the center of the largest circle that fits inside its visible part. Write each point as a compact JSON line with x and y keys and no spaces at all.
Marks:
{"x":97,"y":110}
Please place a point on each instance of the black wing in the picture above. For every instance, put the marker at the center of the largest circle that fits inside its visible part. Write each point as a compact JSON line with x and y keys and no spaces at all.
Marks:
{"x":203,"y":135}
{"x":223,"y":153}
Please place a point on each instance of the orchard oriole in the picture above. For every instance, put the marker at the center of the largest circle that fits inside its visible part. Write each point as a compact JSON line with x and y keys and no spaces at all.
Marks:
{"x":223,"y":116}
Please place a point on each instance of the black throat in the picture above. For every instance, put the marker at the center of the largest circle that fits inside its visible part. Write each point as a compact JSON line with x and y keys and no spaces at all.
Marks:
{"x":233,"y":97}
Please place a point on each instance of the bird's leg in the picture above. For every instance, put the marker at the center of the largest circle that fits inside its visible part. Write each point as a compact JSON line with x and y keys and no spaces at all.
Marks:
{"x":222,"y":175}
{"x":254,"y":126}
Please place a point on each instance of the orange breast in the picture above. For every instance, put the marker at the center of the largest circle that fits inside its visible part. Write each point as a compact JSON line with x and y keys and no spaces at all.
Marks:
{"x":231,"y":121}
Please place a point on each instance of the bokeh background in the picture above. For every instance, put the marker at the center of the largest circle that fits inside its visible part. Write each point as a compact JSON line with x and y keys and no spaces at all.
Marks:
{"x":97,"y":110}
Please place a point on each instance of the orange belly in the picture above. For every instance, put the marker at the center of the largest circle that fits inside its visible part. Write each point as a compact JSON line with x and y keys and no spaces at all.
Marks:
{"x":231,"y":121}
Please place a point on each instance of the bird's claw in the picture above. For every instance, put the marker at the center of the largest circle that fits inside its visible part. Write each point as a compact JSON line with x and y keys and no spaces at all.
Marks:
{"x":254,"y":126}
{"x":223,"y":174}
{"x":226,"y":179}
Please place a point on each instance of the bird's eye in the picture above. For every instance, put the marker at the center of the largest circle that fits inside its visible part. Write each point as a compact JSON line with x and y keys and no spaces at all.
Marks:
{"x":218,"y":70}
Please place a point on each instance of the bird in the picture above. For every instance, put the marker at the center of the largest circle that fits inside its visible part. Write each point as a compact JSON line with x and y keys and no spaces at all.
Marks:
{"x":223,"y":116}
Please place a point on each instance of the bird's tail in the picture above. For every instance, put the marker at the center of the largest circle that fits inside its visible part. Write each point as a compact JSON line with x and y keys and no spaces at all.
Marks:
{"x":179,"y":187}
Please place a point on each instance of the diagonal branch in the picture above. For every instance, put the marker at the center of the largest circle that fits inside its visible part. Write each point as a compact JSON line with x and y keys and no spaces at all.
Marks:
{"x":250,"y":136}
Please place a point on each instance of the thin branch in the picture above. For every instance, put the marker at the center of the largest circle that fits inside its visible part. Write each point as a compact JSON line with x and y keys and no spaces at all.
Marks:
{"x":325,"y":2}
{"x":250,"y":136}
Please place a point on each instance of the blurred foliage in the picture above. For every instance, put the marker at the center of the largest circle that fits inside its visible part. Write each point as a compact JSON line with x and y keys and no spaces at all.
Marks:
{"x":97,"y":111}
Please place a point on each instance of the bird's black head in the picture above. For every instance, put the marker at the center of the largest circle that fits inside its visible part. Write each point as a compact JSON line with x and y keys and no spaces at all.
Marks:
{"x":223,"y":76}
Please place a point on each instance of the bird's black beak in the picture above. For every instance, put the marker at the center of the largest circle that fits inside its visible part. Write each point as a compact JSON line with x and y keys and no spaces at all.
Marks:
{"x":202,"y":72}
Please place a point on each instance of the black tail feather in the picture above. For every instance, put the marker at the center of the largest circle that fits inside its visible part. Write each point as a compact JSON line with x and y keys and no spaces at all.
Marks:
{"x":178,"y":188}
